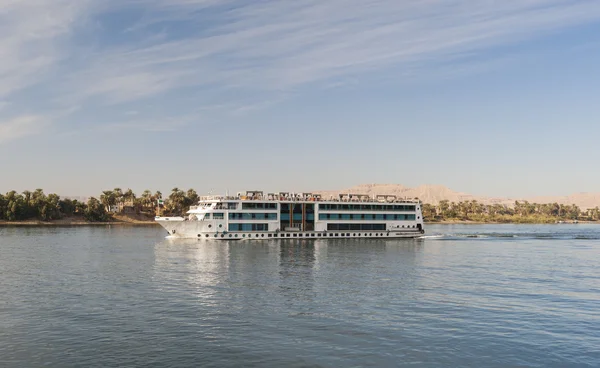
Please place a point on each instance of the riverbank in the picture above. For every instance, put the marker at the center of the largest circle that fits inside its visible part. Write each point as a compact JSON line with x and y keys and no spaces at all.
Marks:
{"x":122,"y":220}
{"x":468,"y":222}
{"x":80,"y":221}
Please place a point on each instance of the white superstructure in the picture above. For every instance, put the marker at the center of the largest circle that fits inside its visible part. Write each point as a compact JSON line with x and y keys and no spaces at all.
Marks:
{"x":305,"y":215}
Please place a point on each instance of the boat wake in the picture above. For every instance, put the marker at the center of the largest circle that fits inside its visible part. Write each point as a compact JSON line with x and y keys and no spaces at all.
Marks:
{"x":431,"y":237}
{"x":508,"y":236}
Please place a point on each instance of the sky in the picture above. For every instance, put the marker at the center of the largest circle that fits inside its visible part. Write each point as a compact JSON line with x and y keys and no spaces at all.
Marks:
{"x":487,"y":97}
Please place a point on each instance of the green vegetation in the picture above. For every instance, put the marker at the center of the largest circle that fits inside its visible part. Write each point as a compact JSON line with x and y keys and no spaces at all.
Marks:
{"x":36,"y":205}
{"x":520,"y":212}
{"x":28,"y":206}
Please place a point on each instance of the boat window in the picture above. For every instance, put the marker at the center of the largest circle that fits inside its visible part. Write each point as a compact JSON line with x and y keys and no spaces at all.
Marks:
{"x":248,"y":227}
{"x":254,"y":205}
{"x":379,"y":217}
{"x":253,"y":216}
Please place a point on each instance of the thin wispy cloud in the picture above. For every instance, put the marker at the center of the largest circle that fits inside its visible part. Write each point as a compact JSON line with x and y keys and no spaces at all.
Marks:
{"x":21,"y":126}
{"x":93,"y":54}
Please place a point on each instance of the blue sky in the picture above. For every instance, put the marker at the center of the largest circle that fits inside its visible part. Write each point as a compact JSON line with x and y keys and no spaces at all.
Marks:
{"x":488,"y":97}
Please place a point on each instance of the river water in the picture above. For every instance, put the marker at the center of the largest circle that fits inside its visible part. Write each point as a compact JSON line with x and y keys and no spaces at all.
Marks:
{"x":465,"y":295}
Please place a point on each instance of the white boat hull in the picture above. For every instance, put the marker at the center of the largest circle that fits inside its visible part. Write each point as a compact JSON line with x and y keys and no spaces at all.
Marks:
{"x":180,"y":228}
{"x":255,"y":216}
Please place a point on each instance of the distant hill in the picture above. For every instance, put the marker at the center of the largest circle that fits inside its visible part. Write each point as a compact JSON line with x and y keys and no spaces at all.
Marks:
{"x":433,"y":194}
{"x":583,"y":200}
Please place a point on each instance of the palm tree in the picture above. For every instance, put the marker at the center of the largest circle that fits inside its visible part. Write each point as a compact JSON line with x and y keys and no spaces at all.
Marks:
{"x":192,"y":196}
{"x":146,"y":199}
{"x":3,"y":203}
{"x":574,"y":212}
{"x":429,"y":212}
{"x":27,"y":196}
{"x":443,"y":207}
{"x":129,"y":196}
{"x":108,"y":199}
{"x":595,"y":213}
{"x":176,"y":201}
{"x":118,"y":195}
{"x":80,"y":207}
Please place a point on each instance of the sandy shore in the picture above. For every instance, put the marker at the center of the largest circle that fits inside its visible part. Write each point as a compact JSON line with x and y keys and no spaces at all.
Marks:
{"x":75,"y":223}
{"x":118,"y":220}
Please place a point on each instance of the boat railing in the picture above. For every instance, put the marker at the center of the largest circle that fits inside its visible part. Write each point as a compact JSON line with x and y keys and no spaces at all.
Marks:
{"x":342,"y":198}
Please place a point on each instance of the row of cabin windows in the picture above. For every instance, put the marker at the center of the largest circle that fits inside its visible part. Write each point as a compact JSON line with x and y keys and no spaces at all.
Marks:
{"x":366,"y":207}
{"x":363,"y":227}
{"x":221,"y":205}
{"x":253,"y":216}
{"x":356,"y":216}
{"x":258,"y":206}
{"x":258,"y":216}
{"x":297,"y":207}
{"x":297,"y":216}
{"x":300,"y":235}
{"x":248,"y":227}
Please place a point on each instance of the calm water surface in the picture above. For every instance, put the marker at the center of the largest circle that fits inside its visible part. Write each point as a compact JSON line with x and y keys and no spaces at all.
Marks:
{"x":484,"y":296}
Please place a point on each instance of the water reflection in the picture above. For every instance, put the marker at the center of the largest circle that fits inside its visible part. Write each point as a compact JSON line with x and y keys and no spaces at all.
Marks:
{"x":94,"y":297}
{"x":296,"y":272}
{"x":189,"y":266}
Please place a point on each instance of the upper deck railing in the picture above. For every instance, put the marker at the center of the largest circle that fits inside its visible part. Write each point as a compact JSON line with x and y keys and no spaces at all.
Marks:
{"x":309,"y":197}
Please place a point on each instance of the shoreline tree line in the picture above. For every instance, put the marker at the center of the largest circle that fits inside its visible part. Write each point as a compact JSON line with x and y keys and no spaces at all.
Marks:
{"x":519,"y":212}
{"x":37,"y":205}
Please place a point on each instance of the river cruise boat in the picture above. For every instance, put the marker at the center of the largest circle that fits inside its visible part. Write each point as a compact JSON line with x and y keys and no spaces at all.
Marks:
{"x":257,"y":216}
